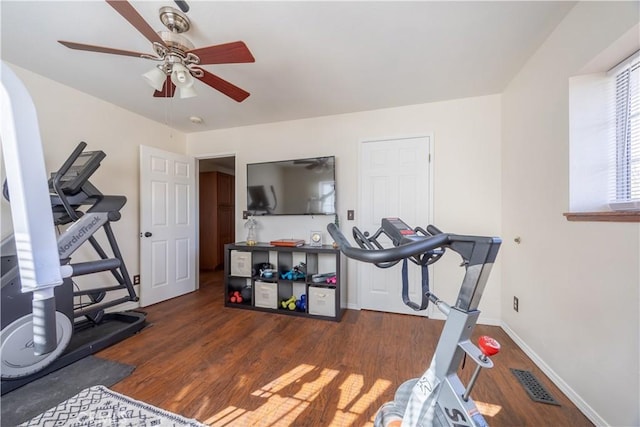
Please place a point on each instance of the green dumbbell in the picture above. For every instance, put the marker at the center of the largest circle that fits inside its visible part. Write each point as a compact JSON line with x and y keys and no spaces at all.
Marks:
{"x":287,"y":303}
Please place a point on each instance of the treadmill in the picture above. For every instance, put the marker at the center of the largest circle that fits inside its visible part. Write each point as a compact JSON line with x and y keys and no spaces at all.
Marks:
{"x":83,"y":212}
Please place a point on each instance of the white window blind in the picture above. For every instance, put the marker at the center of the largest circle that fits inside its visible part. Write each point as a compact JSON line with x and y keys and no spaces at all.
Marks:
{"x":625,"y":164}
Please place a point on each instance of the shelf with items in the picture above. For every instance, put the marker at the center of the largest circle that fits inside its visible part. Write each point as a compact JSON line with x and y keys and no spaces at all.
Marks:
{"x":277,"y":274}
{"x":238,"y":286}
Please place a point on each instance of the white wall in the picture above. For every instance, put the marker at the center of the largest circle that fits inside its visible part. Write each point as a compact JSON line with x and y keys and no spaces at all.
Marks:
{"x":591,"y":123}
{"x":66,"y":117}
{"x":467,"y":178}
{"x":578,"y":282}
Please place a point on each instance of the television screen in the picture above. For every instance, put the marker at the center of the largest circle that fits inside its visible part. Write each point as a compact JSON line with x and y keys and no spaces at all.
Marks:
{"x":292,"y":187}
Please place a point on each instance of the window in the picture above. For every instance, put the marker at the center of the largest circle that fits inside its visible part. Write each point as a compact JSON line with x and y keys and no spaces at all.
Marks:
{"x":604,"y":135}
{"x":328,"y":196}
{"x":624,"y":186}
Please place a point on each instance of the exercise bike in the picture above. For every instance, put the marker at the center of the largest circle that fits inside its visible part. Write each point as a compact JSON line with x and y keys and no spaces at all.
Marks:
{"x":438,"y":398}
{"x":46,"y":324}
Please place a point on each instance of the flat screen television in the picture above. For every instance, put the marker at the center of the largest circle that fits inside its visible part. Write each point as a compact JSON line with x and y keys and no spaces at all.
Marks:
{"x":292,"y":187}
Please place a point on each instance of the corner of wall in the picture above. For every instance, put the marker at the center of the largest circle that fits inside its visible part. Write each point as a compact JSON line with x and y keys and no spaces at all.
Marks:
{"x":583,"y":406}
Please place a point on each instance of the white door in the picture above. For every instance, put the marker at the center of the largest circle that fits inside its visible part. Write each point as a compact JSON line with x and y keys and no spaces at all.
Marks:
{"x":167,"y":225}
{"x":395,"y":181}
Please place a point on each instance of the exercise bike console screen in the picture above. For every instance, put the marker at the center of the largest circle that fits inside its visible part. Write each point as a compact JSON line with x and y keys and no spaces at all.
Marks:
{"x":398,"y":231}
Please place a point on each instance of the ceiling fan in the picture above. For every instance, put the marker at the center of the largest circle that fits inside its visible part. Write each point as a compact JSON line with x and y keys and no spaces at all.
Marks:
{"x":318,"y":164}
{"x":179,"y":61}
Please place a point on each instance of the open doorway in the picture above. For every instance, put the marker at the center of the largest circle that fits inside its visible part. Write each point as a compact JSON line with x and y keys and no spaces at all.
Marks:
{"x":217,"y":214}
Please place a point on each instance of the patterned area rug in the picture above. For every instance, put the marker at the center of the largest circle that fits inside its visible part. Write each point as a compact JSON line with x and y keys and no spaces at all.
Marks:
{"x":98,"y":406}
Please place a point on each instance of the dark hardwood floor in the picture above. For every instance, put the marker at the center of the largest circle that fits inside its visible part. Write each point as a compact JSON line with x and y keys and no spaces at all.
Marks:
{"x":232,"y":367}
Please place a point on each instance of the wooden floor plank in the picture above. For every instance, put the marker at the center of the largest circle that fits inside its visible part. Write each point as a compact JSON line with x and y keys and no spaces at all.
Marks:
{"x":230,"y":367}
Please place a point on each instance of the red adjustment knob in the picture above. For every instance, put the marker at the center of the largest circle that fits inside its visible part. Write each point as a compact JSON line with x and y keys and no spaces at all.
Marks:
{"x":488,"y":345}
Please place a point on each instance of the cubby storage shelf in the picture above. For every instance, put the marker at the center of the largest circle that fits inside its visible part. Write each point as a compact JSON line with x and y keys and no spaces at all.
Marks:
{"x":242,"y":265}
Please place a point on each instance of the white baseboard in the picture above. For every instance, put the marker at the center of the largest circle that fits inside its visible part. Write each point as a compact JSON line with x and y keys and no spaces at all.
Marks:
{"x":574,"y":397}
{"x":437,"y":315}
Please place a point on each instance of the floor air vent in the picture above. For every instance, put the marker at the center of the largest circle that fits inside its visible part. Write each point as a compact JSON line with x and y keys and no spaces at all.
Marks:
{"x":533,"y":387}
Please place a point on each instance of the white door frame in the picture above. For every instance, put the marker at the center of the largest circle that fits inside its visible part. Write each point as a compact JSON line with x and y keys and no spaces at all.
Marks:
{"x":430,"y":219}
{"x":235,"y":168}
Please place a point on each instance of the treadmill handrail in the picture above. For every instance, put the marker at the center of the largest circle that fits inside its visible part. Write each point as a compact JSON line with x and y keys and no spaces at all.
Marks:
{"x":57,"y":178}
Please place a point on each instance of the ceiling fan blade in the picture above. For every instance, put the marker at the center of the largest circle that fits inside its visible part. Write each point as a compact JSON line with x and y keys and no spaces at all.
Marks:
{"x":168,"y":90}
{"x":100,"y":49}
{"x":223,"y":86}
{"x":228,"y":53}
{"x":127,"y":11}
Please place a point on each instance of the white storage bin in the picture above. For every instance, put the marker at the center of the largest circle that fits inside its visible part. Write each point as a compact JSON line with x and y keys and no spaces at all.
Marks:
{"x":241,"y":263}
{"x":322,"y":301}
{"x":266,"y":294}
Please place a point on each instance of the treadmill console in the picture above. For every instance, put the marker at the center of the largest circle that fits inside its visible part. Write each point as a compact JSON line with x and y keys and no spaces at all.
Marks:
{"x":80,"y":171}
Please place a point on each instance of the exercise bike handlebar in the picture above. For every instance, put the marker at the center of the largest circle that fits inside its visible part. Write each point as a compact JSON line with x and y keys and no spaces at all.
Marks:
{"x":397,"y":253}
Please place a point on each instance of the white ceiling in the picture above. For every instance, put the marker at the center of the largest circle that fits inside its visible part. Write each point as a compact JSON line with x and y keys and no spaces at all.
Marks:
{"x":312,"y":58}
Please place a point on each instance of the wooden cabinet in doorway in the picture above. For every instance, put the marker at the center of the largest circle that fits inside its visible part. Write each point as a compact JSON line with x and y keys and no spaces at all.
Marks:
{"x":217,"y":217}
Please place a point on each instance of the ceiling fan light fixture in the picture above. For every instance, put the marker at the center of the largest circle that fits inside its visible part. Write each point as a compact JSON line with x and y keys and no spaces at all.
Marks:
{"x":188,"y":92}
{"x":181,"y":76}
{"x":155,"y":78}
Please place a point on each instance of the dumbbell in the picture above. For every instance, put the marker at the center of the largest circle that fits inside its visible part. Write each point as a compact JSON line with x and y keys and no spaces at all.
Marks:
{"x":289,"y":303}
{"x":301,"y":304}
{"x":235,"y":297}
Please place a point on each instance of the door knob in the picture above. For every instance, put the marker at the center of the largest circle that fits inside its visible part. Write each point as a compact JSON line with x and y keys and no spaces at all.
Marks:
{"x":147,"y":234}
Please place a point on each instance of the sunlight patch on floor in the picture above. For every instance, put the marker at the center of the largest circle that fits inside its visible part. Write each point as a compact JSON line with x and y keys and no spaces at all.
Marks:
{"x":354,"y":401}
{"x":290,"y":378}
{"x":488,"y":409}
{"x":284,"y":400}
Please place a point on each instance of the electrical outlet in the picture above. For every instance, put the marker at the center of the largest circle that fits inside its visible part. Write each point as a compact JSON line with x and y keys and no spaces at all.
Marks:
{"x":136,"y":279}
{"x":350,"y":215}
{"x":515,"y":303}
